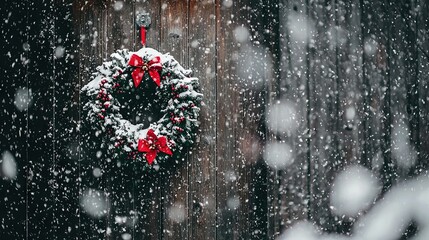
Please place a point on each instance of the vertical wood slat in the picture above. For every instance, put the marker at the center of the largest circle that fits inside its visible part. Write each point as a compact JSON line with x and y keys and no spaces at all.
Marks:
{"x":202,"y":161}
{"x":229,"y":179}
{"x":148,"y":188}
{"x":174,"y":180}
{"x":376,"y":104}
{"x":400,"y":76}
{"x":423,"y":75}
{"x":41,"y":157}
{"x":410,"y":19}
{"x":323,"y":125}
{"x":91,"y":54}
{"x":66,"y":112}
{"x":385,"y":60}
{"x":119,"y":30}
{"x":375,"y":94}
{"x":13,"y":130}
{"x":292,"y":181}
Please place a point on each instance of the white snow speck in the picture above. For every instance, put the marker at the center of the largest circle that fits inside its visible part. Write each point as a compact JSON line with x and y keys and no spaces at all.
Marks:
{"x":8,"y":165}
{"x":195,"y":43}
{"x":176,"y":213}
{"x":26,"y":47}
{"x":370,"y":46}
{"x":254,"y":66}
{"x":94,"y":203}
{"x":403,"y":151}
{"x":59,"y":51}
{"x":282,"y":118}
{"x":337,"y":36}
{"x":118,"y":5}
{"x":227,"y":3}
{"x":126,"y":236}
{"x":241,"y":34}
{"x":300,"y":231}
{"x":278,"y":155}
{"x":301,"y":29}
{"x":97,"y":172}
{"x":23,"y":99}
{"x":350,"y":113}
{"x":353,"y":190}
{"x":233,"y":202}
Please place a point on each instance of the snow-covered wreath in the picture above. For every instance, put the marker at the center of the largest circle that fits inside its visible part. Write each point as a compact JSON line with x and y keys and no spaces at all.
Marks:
{"x":176,"y":94}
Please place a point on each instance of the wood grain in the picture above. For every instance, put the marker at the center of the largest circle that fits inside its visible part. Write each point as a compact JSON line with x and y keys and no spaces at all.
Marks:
{"x":13,"y":130}
{"x":42,"y":160}
{"x":353,"y":73}
{"x":202,"y":162}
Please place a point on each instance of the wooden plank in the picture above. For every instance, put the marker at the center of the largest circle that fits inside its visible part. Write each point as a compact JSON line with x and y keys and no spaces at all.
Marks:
{"x":375,"y":120}
{"x":14,"y":50}
{"x":348,"y":51}
{"x":202,"y":173}
{"x":410,"y":17}
{"x":148,"y":197}
{"x":175,"y":182}
{"x":258,"y":85}
{"x":422,"y":23}
{"x":346,"y":44}
{"x":42,"y":197}
{"x":387,"y":59}
{"x":225,"y":98}
{"x":92,"y":39}
{"x":323,"y":113}
{"x":65,"y":113}
{"x":290,"y":183}
{"x":232,"y":181}
{"x":405,"y":92}
{"x":119,"y":26}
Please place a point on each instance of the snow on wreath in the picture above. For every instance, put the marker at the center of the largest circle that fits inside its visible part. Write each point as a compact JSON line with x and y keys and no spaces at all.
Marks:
{"x":176,"y":94}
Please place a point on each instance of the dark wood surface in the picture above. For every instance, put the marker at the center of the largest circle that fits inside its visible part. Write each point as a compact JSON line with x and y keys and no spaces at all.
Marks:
{"x":355,"y":75}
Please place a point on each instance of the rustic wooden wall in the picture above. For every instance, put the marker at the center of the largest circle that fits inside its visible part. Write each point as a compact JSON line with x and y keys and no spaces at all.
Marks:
{"x":307,"y":54}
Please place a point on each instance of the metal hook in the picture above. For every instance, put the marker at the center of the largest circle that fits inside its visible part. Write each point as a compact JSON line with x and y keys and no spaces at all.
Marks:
{"x":143,"y":20}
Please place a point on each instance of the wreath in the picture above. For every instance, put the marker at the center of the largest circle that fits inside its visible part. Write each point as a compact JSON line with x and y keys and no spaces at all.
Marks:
{"x":171,"y":89}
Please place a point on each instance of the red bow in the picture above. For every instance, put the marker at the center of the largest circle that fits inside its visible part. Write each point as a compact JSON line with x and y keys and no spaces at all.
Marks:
{"x":152,"y":145}
{"x":153,"y":66}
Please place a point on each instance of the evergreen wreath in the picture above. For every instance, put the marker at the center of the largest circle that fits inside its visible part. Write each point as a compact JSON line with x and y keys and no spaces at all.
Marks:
{"x":175,"y":94}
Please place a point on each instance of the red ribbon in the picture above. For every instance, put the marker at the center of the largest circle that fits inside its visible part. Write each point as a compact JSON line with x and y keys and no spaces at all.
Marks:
{"x":153,"y":66}
{"x":152,"y":145}
{"x":143,"y":35}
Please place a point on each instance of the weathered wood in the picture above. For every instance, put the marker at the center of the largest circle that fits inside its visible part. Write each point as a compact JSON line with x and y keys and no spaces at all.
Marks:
{"x":13,"y":131}
{"x":422,"y":22}
{"x":323,"y":119}
{"x":346,"y":35}
{"x":202,"y":174}
{"x":120,"y":31}
{"x":354,"y":74}
{"x":231,"y":180}
{"x":375,"y":123}
{"x":65,"y":118}
{"x":92,"y":39}
{"x":294,"y":87}
{"x":148,"y":188}
{"x":385,"y":60}
{"x":175,"y":180}
{"x":41,"y":137}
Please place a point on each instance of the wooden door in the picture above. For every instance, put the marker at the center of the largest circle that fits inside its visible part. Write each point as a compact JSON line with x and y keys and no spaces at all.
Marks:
{"x":320,"y":85}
